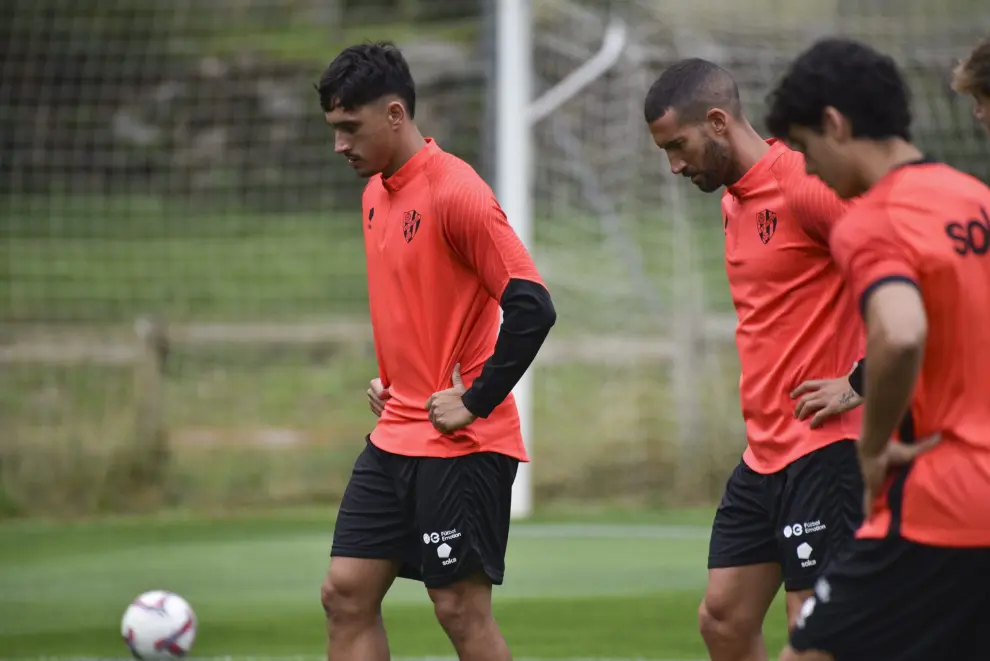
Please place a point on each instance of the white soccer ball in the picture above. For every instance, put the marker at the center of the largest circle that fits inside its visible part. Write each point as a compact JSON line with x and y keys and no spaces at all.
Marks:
{"x":159,"y":625}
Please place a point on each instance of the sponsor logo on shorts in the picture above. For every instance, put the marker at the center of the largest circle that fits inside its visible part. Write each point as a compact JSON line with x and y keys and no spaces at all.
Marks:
{"x":804,"y":552}
{"x":807,"y":608}
{"x":443,"y":552}
{"x":798,"y":529}
{"x":823,"y":590}
{"x":443,"y":536}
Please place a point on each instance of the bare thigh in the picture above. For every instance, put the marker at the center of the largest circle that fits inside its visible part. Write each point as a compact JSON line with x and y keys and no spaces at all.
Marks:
{"x":741,"y":596}
{"x":355,"y":586}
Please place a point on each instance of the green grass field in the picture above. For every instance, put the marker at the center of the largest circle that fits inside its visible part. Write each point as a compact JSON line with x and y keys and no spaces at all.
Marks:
{"x":599,"y":433}
{"x":108,"y":260}
{"x":579,"y":584}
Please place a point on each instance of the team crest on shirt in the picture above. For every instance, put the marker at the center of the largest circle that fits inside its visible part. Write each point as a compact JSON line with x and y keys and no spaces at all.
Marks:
{"x":766,"y":223}
{"x":410,"y":224}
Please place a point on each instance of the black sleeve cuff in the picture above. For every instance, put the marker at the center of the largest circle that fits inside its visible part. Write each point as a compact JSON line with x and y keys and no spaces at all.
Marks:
{"x":470,"y":401}
{"x":528,"y":316}
{"x":858,"y":377}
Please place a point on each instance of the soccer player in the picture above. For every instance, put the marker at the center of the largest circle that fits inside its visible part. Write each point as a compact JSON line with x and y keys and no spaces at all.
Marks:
{"x":972,"y":77}
{"x":430,"y":493}
{"x":914,"y":584}
{"x":796,"y":495}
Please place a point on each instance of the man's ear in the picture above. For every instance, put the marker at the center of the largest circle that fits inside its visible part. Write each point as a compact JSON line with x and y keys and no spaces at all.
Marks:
{"x":396,"y":113}
{"x":835,"y":125}
{"x":718,"y":119}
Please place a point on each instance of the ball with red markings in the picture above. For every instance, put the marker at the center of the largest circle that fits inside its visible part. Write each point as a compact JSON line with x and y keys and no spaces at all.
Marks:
{"x":159,"y":625}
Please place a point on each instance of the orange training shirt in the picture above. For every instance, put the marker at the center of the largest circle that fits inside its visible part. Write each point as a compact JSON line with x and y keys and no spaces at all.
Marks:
{"x":929,"y":224}
{"x":796,"y":319}
{"x":440,"y":253}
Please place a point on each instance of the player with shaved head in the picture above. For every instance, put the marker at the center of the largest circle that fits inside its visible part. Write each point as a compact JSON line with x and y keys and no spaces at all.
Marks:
{"x":796,"y":495}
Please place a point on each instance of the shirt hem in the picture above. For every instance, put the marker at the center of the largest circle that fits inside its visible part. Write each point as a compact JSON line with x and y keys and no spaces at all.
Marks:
{"x":769,"y":468}
{"x":937,"y":537}
{"x":451,"y":451}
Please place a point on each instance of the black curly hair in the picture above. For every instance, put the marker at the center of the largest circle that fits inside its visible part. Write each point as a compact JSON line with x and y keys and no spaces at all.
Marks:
{"x":365,"y":73}
{"x":858,"y":81}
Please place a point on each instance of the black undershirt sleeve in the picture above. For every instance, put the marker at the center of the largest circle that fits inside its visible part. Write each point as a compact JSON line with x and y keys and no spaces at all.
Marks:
{"x":857,"y":378}
{"x":528,"y":316}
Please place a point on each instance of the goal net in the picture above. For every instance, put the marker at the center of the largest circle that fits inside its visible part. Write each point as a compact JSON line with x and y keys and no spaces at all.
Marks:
{"x":182,"y":290}
{"x":635,"y":258}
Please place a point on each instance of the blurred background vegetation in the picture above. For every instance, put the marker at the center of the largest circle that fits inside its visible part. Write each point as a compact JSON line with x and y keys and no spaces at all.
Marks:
{"x":182,"y":299}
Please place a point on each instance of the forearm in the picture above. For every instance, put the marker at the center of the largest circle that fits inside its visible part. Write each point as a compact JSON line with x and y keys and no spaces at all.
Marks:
{"x":889,"y":384}
{"x":528,"y":316}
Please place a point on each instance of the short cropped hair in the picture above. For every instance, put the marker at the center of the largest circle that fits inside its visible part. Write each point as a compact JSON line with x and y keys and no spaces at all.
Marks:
{"x":362,"y":74}
{"x":972,"y":75}
{"x":692,"y":87}
{"x":860,"y":82}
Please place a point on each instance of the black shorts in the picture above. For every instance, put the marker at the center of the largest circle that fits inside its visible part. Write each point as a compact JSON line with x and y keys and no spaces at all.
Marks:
{"x":797,"y":517}
{"x":441,"y":519}
{"x":895,"y":600}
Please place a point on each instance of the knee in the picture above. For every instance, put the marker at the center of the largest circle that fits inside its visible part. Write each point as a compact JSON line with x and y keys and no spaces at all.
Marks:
{"x":718,"y":622}
{"x":344,"y":601}
{"x":708,"y":625}
{"x":461,"y":611}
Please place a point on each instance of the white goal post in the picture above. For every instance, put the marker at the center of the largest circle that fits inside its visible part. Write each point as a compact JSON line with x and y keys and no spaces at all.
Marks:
{"x":516,"y":115}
